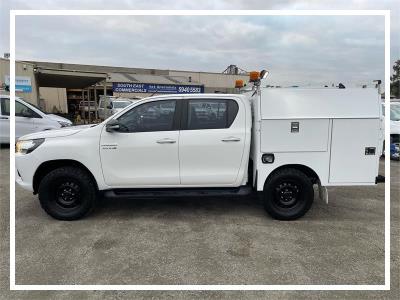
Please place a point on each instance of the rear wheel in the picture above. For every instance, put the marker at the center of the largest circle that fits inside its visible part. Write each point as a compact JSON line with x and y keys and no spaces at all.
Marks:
{"x":67,"y":193}
{"x":288,"y":194}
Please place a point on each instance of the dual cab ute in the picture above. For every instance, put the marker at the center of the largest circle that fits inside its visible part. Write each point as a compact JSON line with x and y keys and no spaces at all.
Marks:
{"x":277,"y":142}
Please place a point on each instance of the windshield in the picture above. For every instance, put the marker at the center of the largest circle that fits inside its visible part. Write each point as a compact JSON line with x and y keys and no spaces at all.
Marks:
{"x":121,"y":104}
{"x":395,"y":112}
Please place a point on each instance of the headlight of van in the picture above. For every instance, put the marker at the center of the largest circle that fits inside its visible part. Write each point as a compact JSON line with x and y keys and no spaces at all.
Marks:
{"x":25,"y":147}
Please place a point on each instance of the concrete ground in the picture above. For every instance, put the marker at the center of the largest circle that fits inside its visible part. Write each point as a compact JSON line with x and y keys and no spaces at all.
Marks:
{"x":202,"y":241}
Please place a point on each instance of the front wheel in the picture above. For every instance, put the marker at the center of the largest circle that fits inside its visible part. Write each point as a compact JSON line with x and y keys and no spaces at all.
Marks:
{"x":288,"y":194}
{"x":67,"y":193}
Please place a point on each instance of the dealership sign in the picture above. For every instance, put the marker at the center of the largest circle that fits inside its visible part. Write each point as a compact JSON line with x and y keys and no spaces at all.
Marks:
{"x":128,"y":87}
{"x":22,"y":83}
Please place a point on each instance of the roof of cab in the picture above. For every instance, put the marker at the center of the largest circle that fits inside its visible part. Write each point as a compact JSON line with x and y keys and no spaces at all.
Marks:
{"x":191,"y":96}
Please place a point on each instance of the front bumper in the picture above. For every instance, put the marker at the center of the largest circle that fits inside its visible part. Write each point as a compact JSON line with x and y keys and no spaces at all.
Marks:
{"x":25,"y":167}
{"x":25,"y":185}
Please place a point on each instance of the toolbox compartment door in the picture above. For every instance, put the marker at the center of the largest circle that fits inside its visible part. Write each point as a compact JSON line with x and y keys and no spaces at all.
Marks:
{"x":294,"y":135}
{"x":354,"y":151}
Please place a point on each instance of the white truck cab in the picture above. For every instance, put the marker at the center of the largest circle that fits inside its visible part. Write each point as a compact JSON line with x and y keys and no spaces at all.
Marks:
{"x":277,"y":142}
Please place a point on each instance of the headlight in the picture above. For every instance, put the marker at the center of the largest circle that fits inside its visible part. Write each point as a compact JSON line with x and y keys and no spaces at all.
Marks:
{"x":25,"y":147}
{"x":64,"y":124}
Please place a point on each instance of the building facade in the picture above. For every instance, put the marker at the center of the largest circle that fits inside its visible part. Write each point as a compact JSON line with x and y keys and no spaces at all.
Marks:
{"x":59,"y":87}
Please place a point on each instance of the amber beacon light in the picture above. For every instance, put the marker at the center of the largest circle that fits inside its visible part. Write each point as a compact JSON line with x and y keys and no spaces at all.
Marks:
{"x":239,"y":83}
{"x":254,"y":76}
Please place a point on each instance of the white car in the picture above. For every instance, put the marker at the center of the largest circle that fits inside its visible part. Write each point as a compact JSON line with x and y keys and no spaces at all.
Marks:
{"x":111,"y":105}
{"x":28,"y":119}
{"x":277,"y":143}
{"x":394,"y":122}
{"x":118,"y":105}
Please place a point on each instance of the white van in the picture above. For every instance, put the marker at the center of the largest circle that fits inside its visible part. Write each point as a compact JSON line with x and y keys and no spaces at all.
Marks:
{"x":28,"y":119}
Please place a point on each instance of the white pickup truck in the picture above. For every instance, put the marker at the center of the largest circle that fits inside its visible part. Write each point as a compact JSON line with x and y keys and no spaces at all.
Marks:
{"x":277,"y":142}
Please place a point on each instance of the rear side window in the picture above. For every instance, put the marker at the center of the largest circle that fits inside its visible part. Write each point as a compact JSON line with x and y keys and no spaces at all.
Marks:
{"x":211,"y":113}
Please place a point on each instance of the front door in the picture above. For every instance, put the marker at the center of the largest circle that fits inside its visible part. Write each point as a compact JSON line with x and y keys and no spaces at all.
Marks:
{"x":5,"y":120}
{"x":143,"y":152}
{"x":211,"y":142}
{"x":23,"y":119}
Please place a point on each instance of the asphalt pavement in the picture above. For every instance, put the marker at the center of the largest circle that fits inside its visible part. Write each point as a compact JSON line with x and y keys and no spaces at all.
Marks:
{"x":202,"y":241}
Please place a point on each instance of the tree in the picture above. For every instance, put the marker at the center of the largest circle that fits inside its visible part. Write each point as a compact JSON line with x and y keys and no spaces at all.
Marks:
{"x":395,"y":80}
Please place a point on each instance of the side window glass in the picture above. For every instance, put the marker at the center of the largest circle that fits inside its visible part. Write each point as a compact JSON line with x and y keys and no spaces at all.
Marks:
{"x":211,"y":114}
{"x":152,"y":116}
{"x":5,"y":106}
{"x":22,"y":110}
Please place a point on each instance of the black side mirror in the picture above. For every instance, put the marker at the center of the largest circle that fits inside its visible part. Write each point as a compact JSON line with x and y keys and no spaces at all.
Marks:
{"x":109,"y":106}
{"x":112,"y":125}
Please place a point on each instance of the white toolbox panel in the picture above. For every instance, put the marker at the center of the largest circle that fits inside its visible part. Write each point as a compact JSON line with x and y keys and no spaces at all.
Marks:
{"x":277,"y":135}
{"x":349,"y":161}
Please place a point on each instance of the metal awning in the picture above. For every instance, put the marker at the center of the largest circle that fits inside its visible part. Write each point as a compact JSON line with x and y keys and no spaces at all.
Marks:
{"x":69,"y":79}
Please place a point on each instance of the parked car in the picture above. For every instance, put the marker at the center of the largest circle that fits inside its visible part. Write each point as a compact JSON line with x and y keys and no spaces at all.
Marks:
{"x":394,"y":151}
{"x":394,"y":122}
{"x":111,"y":105}
{"x":28,"y":119}
{"x":277,"y":143}
{"x":102,"y":110}
{"x":117,"y":105}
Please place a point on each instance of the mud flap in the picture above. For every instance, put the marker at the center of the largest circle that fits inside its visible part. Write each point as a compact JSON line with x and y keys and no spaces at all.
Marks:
{"x":323,"y":192}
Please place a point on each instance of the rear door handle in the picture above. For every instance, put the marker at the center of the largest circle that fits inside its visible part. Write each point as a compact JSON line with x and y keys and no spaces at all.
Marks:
{"x":231,"y":139}
{"x":3,"y":118}
{"x":166,"y":141}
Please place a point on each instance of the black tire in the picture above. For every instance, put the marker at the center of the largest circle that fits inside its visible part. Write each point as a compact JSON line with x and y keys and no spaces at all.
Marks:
{"x":67,"y":193}
{"x":288,"y":194}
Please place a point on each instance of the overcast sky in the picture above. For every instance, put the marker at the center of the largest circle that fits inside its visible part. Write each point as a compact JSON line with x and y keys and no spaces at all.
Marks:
{"x":297,"y":50}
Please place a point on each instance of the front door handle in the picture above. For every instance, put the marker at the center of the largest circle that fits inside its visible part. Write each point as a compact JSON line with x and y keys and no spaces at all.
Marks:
{"x":3,"y":118}
{"x":166,"y":141}
{"x":231,"y":139}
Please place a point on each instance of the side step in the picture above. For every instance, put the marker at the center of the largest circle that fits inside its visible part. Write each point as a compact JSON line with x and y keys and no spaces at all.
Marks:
{"x":178,"y":192}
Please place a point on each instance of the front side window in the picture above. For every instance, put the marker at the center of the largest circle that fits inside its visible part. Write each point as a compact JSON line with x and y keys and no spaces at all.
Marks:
{"x":5,"y":106}
{"x":152,"y":116}
{"x":21,"y":110}
{"x":211,"y":114}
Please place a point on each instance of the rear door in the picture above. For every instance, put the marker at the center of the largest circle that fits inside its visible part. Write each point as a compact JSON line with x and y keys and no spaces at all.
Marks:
{"x":211,"y":142}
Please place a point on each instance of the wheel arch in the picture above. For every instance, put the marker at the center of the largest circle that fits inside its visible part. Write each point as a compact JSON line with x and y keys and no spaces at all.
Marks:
{"x":51,"y":165}
{"x":309,"y":172}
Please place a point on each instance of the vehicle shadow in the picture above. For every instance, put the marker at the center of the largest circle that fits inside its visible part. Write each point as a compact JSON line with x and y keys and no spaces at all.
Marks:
{"x":175,"y":206}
